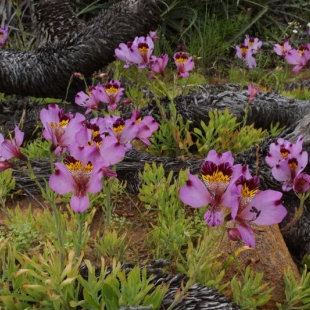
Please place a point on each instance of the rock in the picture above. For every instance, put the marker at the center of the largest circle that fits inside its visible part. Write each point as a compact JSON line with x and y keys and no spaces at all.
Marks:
{"x":270,"y":256}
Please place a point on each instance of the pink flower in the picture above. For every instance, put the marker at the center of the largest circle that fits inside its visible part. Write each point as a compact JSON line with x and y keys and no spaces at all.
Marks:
{"x":215,"y":190}
{"x":301,"y":183}
{"x":253,"y":43}
{"x":252,"y":91}
{"x":123,"y":130}
{"x":245,"y":53}
{"x":282,"y":149}
{"x":11,"y":148}
{"x":141,"y":51}
{"x":299,"y":58}
{"x":258,"y":207}
{"x":283,"y":48}
{"x":3,"y":35}
{"x":60,"y":128}
{"x":3,"y":163}
{"x":287,"y":170}
{"x":153,"y":35}
{"x":78,"y":177}
{"x":122,"y":53}
{"x":91,"y":100}
{"x":183,"y":63}
{"x":146,"y":126}
{"x":112,"y":94}
{"x":158,"y":65}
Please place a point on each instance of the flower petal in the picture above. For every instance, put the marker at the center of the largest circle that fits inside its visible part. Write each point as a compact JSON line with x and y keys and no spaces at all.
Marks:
{"x":79,"y":204}
{"x":62,"y":181}
{"x":195,"y":193}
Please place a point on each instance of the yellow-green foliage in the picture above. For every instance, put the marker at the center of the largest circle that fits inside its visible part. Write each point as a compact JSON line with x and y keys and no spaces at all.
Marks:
{"x":298,"y":93}
{"x":224,"y":133}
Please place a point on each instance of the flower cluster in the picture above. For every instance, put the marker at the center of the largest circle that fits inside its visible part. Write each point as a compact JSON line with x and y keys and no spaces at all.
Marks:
{"x":110,"y":93}
{"x":89,"y":147}
{"x":140,"y":52}
{"x":249,"y":48}
{"x":231,"y":188}
{"x":298,"y":57}
{"x":287,"y":161}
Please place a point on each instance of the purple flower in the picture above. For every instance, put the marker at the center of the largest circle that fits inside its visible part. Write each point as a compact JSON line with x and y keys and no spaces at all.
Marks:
{"x":158,"y":65}
{"x":252,"y":91}
{"x":123,"y":130}
{"x":112,"y":94}
{"x":215,"y":190}
{"x":283,"y":48}
{"x":258,"y":207}
{"x":153,"y":35}
{"x":141,"y":51}
{"x":253,"y":43}
{"x":78,"y":177}
{"x":11,"y":148}
{"x":287,"y":170}
{"x":301,"y":183}
{"x":245,"y":53}
{"x":122,"y":53}
{"x":3,"y":35}
{"x":3,"y":163}
{"x":183,"y":63}
{"x":146,"y":126}
{"x":298,"y":57}
{"x":91,"y":100}
{"x":60,"y":128}
{"x":282,"y":149}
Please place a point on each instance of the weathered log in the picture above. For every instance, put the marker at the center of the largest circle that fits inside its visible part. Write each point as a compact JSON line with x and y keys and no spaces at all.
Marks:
{"x":266,"y":109}
{"x":46,"y":71}
{"x":53,"y":21}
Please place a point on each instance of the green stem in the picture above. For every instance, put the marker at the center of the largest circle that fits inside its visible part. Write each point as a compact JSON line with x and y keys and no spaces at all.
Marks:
{"x":108,"y":204}
{"x":81,"y":218}
{"x":59,"y":229}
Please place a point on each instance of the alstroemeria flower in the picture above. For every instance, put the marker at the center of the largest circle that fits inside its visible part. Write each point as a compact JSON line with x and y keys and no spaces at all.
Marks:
{"x":124,"y":130}
{"x":214,"y":190}
{"x":112,"y":94}
{"x":141,"y":51}
{"x":283,"y":48}
{"x":3,"y":35}
{"x":183,"y":63}
{"x":298,"y":57}
{"x":159,"y":64}
{"x":287,"y":170}
{"x":245,"y":53}
{"x":252,"y":91}
{"x":146,"y":126}
{"x":77,"y":177}
{"x":282,"y":149}
{"x":59,"y":127}
{"x":11,"y":148}
{"x":258,"y":207}
{"x":253,"y":43}
{"x":3,"y":163}
{"x":153,"y":35}
{"x":301,"y":183}
{"x":91,"y":100}
{"x":122,"y":53}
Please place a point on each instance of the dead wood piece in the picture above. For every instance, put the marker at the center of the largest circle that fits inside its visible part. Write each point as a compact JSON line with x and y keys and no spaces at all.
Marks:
{"x":46,"y":71}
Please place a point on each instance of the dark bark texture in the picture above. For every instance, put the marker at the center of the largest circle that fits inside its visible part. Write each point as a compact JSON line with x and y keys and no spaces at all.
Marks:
{"x":46,"y":71}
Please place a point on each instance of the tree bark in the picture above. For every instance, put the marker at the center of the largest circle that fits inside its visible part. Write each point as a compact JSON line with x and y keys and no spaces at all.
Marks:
{"x":46,"y":71}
